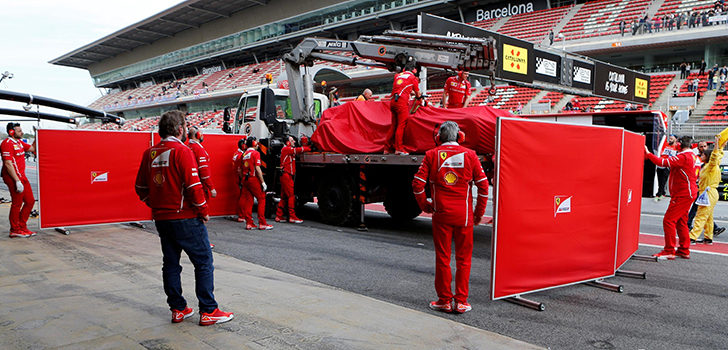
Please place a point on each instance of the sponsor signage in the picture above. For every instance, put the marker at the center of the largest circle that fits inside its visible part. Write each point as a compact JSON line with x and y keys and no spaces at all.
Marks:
{"x":620,"y":83}
{"x":516,"y":59}
{"x":210,"y":70}
{"x":641,"y":88}
{"x":548,"y":67}
{"x":582,"y":75}
{"x":498,"y":10}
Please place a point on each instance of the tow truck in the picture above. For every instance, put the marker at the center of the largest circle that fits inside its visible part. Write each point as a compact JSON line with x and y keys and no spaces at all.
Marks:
{"x":344,"y":183}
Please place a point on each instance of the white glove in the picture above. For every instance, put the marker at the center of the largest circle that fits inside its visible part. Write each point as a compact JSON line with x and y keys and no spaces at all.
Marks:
{"x":19,"y":186}
{"x":265,"y":187}
{"x":213,"y":193}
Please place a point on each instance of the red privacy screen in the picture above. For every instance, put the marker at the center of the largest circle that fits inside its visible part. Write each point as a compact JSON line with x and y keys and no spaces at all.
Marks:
{"x":87,"y":176}
{"x":630,"y":203}
{"x":557,"y":198}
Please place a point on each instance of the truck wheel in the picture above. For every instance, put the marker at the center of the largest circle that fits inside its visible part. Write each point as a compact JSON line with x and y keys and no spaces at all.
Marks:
{"x":402,"y":205}
{"x":337,"y":202}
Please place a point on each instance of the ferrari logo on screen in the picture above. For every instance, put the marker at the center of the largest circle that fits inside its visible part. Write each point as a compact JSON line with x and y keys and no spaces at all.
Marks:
{"x":99,"y":176}
{"x":640,"y":89}
{"x":562,"y":205}
{"x":515,"y":59}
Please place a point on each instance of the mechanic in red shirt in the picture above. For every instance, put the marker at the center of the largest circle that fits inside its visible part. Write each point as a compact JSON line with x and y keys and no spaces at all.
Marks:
{"x":457,"y":91}
{"x":405,"y":83}
{"x":13,"y":153}
{"x":253,"y":185}
{"x":288,"y":167}
{"x":451,"y":170}
{"x":239,"y":171}
{"x":683,"y":191}
{"x":203,"y":161}
{"x":167,"y":181}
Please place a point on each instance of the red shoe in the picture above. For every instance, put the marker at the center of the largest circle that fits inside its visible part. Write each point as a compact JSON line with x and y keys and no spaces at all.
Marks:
{"x":20,"y":234}
{"x":265,"y":227}
{"x":664,"y":254}
{"x":249,"y":227}
{"x":295,"y":220}
{"x":441,"y":305}
{"x":31,"y":233}
{"x":240,"y":220}
{"x":179,"y":316}
{"x":462,"y":308}
{"x":212,"y":246}
{"x":279,"y":219}
{"x":684,"y":255}
{"x":217,"y":316}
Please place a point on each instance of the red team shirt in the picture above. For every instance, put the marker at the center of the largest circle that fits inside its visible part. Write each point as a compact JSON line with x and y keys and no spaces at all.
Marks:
{"x":14,"y":150}
{"x":288,"y":158}
{"x":203,"y":165}
{"x":248,"y":161}
{"x":404,"y":84}
{"x":457,"y":92}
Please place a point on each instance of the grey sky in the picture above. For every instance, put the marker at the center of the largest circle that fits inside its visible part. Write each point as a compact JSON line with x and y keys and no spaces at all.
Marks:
{"x":32,"y":32}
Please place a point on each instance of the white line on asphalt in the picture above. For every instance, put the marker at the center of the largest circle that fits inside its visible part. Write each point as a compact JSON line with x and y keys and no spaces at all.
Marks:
{"x":691,"y":251}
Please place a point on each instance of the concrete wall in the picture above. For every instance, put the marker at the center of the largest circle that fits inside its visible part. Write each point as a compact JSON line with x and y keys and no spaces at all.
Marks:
{"x":253,"y":17}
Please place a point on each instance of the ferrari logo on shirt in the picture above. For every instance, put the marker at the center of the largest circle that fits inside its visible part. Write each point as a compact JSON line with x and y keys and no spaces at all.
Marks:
{"x":450,"y":178}
{"x":97,"y":176}
{"x":456,"y":161}
{"x":153,"y":154}
{"x":161,"y":160}
{"x":562,"y":204}
{"x":443,"y":155}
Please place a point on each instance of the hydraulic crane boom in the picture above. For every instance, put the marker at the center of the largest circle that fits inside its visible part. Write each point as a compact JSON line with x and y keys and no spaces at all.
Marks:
{"x":390,"y":51}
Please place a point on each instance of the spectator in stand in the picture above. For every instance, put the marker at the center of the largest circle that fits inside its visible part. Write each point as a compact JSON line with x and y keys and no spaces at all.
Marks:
{"x":366,"y":95}
{"x":451,"y":170}
{"x":702,"y":67}
{"x":675,"y":90}
{"x":657,"y":24}
{"x":577,"y":104}
{"x":711,"y":75}
{"x":13,"y":151}
{"x":724,"y":70}
{"x":683,"y":69}
{"x":708,"y":182}
{"x":683,"y":190}
{"x":635,"y":27}
{"x":622,"y":26}
{"x":167,"y":182}
{"x":663,"y":173}
{"x":642,"y":25}
{"x":696,"y":87}
{"x":725,"y":113}
{"x":551,"y":36}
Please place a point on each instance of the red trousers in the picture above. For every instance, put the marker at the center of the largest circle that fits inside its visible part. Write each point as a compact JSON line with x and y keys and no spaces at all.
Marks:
{"x":252,"y":188}
{"x":443,"y":235}
{"x":288,"y":197}
{"x":21,"y":206}
{"x":676,"y":222}
{"x":400,"y":115}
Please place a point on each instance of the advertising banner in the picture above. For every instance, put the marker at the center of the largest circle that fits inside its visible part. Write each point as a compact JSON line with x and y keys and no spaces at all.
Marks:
{"x":82,"y":185}
{"x":642,"y":88}
{"x":566,"y":232}
{"x":503,"y":9}
{"x":87,"y":177}
{"x":548,"y":67}
{"x":630,"y":202}
{"x":614,"y":82}
{"x":582,"y":75}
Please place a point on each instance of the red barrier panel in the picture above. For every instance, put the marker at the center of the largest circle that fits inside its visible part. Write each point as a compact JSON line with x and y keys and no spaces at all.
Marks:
{"x":630,"y":204}
{"x":565,"y":232}
{"x":221,"y":149}
{"x":87,"y":177}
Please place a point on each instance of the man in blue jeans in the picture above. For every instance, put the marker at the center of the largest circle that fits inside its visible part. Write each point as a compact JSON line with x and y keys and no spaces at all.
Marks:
{"x":168,"y":182}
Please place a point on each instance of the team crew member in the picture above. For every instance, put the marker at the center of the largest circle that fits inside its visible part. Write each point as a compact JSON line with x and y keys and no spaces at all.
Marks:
{"x":239,"y":182}
{"x":253,"y":185}
{"x":288,"y":166}
{"x":167,"y":182}
{"x":366,"y":95}
{"x":683,"y":192}
{"x":663,"y":173}
{"x":13,"y":153}
{"x":451,"y":170}
{"x":203,"y":161}
{"x":457,"y":91}
{"x":404,"y":84}
{"x":709,"y":179}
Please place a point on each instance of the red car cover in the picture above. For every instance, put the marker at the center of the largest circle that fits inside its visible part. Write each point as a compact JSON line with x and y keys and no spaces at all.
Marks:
{"x":363,"y":126}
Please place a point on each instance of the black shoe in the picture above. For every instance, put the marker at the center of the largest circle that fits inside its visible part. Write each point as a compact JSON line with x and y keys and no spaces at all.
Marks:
{"x":718,"y":230}
{"x":708,"y":241}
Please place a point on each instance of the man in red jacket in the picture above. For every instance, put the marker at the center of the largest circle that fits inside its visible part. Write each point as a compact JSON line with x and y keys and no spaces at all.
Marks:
{"x":683,"y":191}
{"x":405,"y":83}
{"x":203,"y":161}
{"x":451,"y":170}
{"x":457,"y":91}
{"x":253,"y":185}
{"x":13,"y":173}
{"x":167,"y":182}
{"x":288,"y":167}
{"x":239,"y":181}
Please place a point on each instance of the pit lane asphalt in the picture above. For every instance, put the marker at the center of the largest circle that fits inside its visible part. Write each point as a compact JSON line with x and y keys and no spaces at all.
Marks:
{"x":681,"y":304}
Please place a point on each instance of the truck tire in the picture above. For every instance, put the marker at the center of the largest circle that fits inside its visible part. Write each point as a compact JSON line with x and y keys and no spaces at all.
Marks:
{"x":401,"y":204}
{"x":337,"y":201}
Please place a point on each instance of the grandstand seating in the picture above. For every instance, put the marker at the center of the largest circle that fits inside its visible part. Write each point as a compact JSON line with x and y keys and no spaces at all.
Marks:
{"x":702,"y":86}
{"x":715,"y":114}
{"x":599,"y":18}
{"x":486,"y":24}
{"x":553,"y":97}
{"x":677,"y":6}
{"x":522,"y":26}
{"x":658,"y":84}
{"x":510,"y":97}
